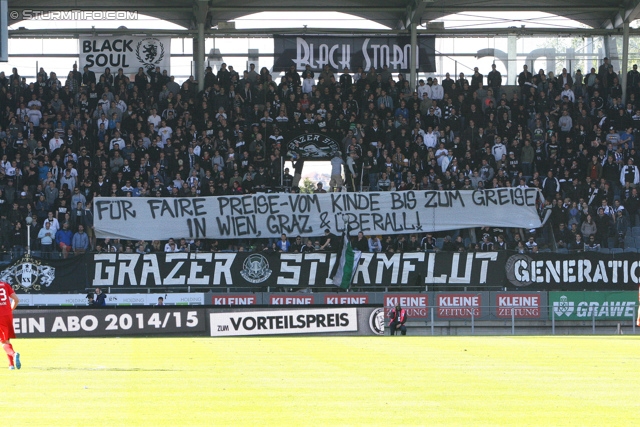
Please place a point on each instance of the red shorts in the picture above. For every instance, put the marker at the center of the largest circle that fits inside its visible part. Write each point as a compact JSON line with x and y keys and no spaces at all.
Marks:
{"x":6,"y":328}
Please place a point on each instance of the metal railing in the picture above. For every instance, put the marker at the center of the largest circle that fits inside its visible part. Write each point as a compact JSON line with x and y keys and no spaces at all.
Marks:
{"x":512,"y":320}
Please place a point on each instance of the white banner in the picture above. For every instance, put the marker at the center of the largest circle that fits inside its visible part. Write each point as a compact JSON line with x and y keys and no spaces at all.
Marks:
{"x":270,"y":215}
{"x":283,"y":322}
{"x":126,"y":52}
{"x":112,"y":299}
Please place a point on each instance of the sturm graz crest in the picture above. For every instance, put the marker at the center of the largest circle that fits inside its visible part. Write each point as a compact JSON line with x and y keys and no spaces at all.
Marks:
{"x":376,"y":321}
{"x":255,"y":269}
{"x":150,"y":52}
{"x":28,"y":274}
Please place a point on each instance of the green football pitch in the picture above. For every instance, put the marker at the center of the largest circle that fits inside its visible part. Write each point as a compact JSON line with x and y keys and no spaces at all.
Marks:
{"x":325,"y":381}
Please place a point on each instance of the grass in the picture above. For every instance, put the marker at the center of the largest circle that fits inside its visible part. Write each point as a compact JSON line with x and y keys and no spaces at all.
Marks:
{"x":408,"y":381}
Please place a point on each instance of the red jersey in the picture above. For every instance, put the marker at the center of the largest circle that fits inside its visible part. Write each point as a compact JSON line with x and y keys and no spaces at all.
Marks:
{"x":5,"y":301}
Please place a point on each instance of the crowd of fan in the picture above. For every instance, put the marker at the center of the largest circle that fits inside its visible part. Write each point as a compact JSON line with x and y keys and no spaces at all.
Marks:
{"x":104,"y":134}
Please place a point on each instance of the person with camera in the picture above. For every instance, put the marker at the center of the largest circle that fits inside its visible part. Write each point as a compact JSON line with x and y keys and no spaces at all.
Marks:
{"x":98,"y":299}
{"x":398,"y":318}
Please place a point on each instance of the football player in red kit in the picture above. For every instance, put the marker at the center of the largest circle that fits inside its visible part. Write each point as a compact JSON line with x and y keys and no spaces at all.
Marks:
{"x":8,"y":302}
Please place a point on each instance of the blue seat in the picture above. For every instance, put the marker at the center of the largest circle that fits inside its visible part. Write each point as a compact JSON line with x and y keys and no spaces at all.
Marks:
{"x":635,"y":231}
{"x":629,"y":242}
{"x":605,"y":250}
{"x":611,"y":242}
{"x":633,"y":250}
{"x":562,"y":251}
{"x":616,"y":250}
{"x":637,"y":239}
{"x":439,"y":242}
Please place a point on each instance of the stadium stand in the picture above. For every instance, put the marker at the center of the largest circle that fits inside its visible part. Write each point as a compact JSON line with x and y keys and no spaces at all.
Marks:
{"x":65,"y":141}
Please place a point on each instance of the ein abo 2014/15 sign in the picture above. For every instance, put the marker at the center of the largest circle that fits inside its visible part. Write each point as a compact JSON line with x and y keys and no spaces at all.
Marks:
{"x":107,"y":322}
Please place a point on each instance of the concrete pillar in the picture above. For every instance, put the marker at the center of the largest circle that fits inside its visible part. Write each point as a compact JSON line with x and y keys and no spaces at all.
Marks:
{"x":412,"y":61}
{"x":512,"y":56}
{"x":198,"y":56}
{"x":625,"y":60}
{"x":589,"y":51}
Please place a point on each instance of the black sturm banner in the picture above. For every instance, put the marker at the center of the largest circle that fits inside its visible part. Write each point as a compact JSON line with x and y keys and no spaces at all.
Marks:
{"x":352,"y":52}
{"x":547,"y":271}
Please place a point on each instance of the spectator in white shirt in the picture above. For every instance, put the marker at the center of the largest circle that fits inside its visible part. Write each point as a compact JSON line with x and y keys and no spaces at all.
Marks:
{"x":55,"y":142}
{"x":154,"y":118}
{"x":437,"y":91}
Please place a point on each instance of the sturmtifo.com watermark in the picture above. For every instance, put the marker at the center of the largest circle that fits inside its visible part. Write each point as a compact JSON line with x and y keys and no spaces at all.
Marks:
{"x":73,"y":15}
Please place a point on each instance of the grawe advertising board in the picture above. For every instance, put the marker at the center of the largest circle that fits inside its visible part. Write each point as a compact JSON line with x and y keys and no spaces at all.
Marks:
{"x":108,"y":322}
{"x":587,"y":305}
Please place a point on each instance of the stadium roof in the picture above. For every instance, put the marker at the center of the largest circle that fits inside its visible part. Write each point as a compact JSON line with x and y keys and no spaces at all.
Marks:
{"x":396,"y":14}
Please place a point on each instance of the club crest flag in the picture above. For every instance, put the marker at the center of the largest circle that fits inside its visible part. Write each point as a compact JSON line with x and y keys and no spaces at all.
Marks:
{"x":28,"y":274}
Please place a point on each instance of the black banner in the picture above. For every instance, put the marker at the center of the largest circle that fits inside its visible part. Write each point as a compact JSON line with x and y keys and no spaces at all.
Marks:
{"x":311,"y":146}
{"x":547,"y":271}
{"x":352,"y":52}
{"x":582,"y":271}
{"x":109,"y":322}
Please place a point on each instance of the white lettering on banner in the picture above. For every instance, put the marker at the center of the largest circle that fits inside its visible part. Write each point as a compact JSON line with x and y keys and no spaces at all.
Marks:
{"x":607,"y":309}
{"x":415,"y":304}
{"x":296,"y":300}
{"x":459,"y":305}
{"x":381,"y":57}
{"x":518,"y":306}
{"x":86,"y":323}
{"x":523,"y":270}
{"x":29,"y":325}
{"x":127,"y":52}
{"x":346,"y":300}
{"x":305,"y":55}
{"x":234,"y":300}
{"x":283,"y":322}
{"x":270,"y":215}
{"x":285,"y":269}
{"x":106,"y":266}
